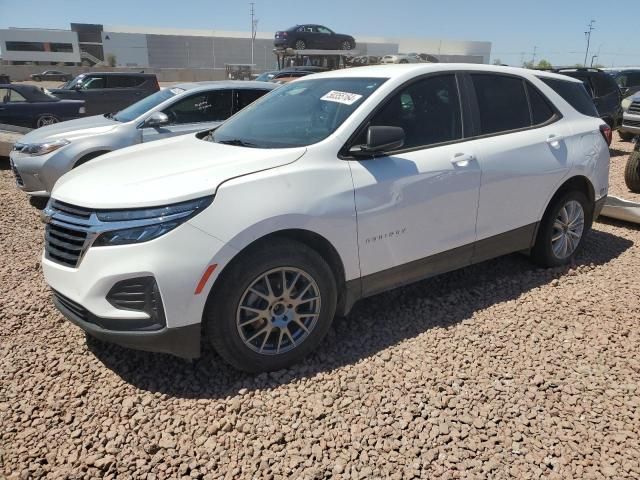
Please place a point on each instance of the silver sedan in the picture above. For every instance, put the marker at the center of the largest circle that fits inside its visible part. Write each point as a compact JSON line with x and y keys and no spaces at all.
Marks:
{"x":44,"y":155}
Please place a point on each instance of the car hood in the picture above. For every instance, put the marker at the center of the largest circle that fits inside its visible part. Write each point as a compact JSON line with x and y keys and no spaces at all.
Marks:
{"x":80,"y":127}
{"x":163,"y":172}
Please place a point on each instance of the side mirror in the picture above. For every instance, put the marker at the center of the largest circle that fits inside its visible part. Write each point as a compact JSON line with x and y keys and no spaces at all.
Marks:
{"x":384,"y":138}
{"x":156,"y":119}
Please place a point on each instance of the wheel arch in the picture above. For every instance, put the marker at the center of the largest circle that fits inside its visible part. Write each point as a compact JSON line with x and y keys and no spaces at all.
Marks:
{"x":309,"y":238}
{"x":89,"y":156}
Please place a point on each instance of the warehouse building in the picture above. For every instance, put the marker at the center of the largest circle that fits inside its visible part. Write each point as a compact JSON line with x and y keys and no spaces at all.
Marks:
{"x":178,"y":48}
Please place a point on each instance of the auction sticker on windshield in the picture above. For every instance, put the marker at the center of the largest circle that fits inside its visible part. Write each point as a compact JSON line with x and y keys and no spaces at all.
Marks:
{"x":341,"y":97}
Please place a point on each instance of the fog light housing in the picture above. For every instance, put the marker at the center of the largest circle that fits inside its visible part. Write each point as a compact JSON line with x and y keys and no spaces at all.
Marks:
{"x":139,"y":294}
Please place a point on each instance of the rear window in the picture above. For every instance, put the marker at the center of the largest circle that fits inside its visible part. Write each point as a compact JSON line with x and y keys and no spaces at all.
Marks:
{"x":574,"y":94}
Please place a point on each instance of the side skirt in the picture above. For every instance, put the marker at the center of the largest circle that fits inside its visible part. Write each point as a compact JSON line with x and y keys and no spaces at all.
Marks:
{"x":512,"y":241}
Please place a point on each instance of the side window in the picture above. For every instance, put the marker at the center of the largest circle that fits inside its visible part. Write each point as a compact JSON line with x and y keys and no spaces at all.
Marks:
{"x":92,"y":83}
{"x":116,"y":81}
{"x":246,"y":97}
{"x":541,"y":111}
{"x":15,"y":97}
{"x":202,"y":107}
{"x":324,"y":30}
{"x":574,"y":94}
{"x":4,"y":95}
{"x":427,"y":110}
{"x":502,"y":102}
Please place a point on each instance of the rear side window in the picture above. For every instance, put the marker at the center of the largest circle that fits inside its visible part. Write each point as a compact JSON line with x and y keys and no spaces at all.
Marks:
{"x":202,"y":107}
{"x":117,"y":81}
{"x":502,"y":102}
{"x":541,"y":111}
{"x":245,"y":97}
{"x":574,"y":94}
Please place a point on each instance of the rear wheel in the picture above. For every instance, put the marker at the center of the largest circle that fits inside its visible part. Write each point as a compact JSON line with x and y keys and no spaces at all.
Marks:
{"x":346,"y":45}
{"x":37,"y":79}
{"x":272,"y":307}
{"x":300,"y":45}
{"x":632,"y":172}
{"x":562,"y":230}
{"x":46,"y":119}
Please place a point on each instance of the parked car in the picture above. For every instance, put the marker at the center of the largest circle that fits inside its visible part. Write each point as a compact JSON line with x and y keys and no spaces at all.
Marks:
{"x":106,"y":92}
{"x":604,"y":91}
{"x":30,"y":106}
{"x":266,"y":76}
{"x":4,"y":78}
{"x":631,"y":118}
{"x":628,"y":80}
{"x":51,"y":75}
{"x":632,"y":169}
{"x":317,"y":37}
{"x":44,"y":155}
{"x":401,"y":58}
{"x":363,"y":60}
{"x":331,"y":188}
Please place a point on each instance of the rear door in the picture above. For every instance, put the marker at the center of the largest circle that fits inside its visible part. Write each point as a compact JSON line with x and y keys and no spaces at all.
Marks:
{"x":522,"y":151}
{"x":193,"y":113}
{"x":122,"y":90}
{"x":14,"y":109}
{"x":94,"y":92}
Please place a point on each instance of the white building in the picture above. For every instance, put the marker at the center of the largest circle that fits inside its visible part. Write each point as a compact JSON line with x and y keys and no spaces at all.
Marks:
{"x":29,"y":45}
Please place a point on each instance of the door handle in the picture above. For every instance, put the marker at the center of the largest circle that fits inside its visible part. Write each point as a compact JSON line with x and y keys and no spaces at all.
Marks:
{"x":554,"y":139}
{"x":462,"y":159}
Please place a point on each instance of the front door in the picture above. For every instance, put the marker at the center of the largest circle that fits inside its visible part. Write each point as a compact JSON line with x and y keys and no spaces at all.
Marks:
{"x":200,"y":111}
{"x":417,"y":206}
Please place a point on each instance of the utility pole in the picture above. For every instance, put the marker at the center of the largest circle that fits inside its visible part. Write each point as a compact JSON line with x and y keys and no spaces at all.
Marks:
{"x":588,"y":35}
{"x":254,"y":27}
{"x":593,"y":57}
{"x":533,"y":59}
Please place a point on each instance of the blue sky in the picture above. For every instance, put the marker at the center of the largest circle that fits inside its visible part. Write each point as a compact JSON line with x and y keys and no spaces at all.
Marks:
{"x":514,"y":27}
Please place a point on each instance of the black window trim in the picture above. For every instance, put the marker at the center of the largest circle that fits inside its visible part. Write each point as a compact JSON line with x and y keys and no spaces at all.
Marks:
{"x":344,"y":154}
{"x":476,"y":108}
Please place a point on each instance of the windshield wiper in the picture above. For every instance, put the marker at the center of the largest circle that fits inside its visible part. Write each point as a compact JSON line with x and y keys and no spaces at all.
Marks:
{"x":237,"y":142}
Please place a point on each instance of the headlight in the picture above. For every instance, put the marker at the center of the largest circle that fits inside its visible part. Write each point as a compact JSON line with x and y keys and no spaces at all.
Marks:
{"x":82,"y":110}
{"x":41,"y":148}
{"x":626,"y":103}
{"x":122,"y":227}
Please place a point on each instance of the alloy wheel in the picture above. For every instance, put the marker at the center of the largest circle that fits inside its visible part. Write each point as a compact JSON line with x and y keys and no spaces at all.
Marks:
{"x":278,"y":310}
{"x":300,"y":45}
{"x":568,"y":228}
{"x":46,"y":120}
{"x":346,"y":45}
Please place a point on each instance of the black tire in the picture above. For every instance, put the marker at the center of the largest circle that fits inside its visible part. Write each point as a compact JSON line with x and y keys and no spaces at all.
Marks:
{"x":346,"y":45}
{"x":632,"y":172}
{"x":300,"y":44}
{"x":38,"y":202}
{"x":403,"y":61}
{"x":626,"y":136}
{"x":45,"y":119}
{"x":542,"y":252}
{"x":221,"y":313}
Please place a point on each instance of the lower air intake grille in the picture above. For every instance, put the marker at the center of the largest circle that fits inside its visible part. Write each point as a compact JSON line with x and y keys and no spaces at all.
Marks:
{"x":19,"y":180}
{"x":75,"y":308}
{"x":139,"y":294}
{"x":631,"y":123}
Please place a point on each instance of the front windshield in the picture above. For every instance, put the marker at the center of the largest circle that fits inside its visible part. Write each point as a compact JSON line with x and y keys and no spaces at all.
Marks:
{"x":298,"y":114}
{"x":147,"y":103}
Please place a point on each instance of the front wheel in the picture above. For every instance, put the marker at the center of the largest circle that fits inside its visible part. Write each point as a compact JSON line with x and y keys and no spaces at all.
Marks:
{"x":300,"y":45}
{"x":346,"y":45}
{"x":632,"y":172}
{"x":37,"y":79}
{"x":272,"y":307}
{"x":47,"y":119}
{"x":562,"y":230}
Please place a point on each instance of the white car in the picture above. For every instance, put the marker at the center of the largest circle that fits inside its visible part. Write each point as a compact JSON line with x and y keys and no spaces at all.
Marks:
{"x":401,"y":58}
{"x":327,"y":190}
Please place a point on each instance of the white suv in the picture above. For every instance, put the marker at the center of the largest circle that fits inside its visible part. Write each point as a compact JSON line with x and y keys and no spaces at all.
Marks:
{"x":332,"y":188}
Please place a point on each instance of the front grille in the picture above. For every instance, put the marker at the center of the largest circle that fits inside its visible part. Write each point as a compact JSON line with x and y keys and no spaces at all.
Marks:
{"x":19,"y":180}
{"x":631,"y":123}
{"x":634,"y":108}
{"x":75,"y":308}
{"x":67,"y":233}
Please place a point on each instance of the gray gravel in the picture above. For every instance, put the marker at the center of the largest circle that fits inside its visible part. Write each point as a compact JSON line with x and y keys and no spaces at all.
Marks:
{"x":499,"y":370}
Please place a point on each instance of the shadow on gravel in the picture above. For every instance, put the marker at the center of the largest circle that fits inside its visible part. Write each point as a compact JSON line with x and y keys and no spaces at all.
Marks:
{"x":374,"y":324}
{"x":615,"y":152}
{"x":4,"y":163}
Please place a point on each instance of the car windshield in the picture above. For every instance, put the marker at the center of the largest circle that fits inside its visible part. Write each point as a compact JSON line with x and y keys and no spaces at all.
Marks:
{"x":265,"y":77}
{"x":134,"y":111}
{"x":298,"y":114}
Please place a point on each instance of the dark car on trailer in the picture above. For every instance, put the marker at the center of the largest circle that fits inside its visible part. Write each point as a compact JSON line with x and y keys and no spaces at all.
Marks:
{"x":51,"y":75}
{"x":108,"y":92}
{"x":312,"y":36}
{"x":30,"y":106}
{"x":603,"y":89}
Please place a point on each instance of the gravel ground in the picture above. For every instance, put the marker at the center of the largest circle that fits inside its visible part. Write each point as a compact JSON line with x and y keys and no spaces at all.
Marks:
{"x":499,"y":370}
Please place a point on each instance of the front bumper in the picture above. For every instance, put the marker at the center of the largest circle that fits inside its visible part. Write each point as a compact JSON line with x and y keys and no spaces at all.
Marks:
{"x":182,"y":342}
{"x":176,"y":261}
{"x":630,"y":124}
{"x":28,"y":171}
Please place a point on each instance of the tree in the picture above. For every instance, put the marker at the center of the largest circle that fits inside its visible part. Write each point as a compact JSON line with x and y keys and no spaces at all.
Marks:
{"x":111,"y":60}
{"x":544,"y":64}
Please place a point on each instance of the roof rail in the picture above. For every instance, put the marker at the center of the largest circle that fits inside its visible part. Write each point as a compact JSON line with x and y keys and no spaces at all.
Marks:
{"x":577,"y":69}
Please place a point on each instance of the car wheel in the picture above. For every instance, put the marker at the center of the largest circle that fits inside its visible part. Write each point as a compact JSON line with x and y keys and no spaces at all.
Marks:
{"x":37,"y":79}
{"x":346,"y":45}
{"x":47,"y":119}
{"x":626,"y":136}
{"x":300,"y":45}
{"x":272,"y":307}
{"x":562,"y":230}
{"x":404,"y":61}
{"x":632,"y":172}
